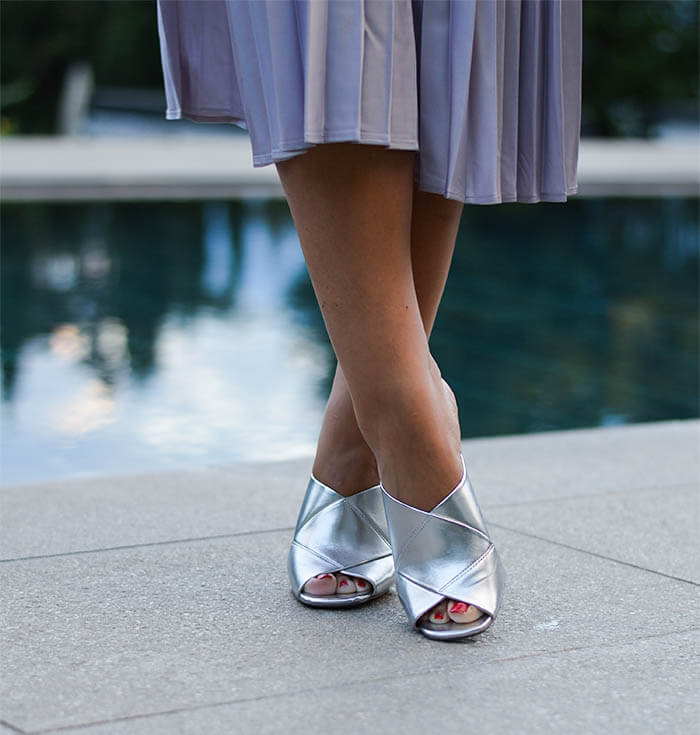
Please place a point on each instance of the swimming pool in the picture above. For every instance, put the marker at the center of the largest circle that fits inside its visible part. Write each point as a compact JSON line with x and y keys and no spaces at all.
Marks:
{"x":152,"y":336}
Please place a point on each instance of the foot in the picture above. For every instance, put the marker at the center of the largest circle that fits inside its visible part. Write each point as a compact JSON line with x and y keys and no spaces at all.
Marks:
{"x":451,"y":611}
{"x":343,"y":460}
{"x":336,"y":584}
{"x":427,"y":490}
{"x":346,"y":464}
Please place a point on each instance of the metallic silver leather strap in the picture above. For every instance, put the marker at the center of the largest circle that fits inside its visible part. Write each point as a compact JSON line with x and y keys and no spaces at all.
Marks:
{"x":445,"y":553}
{"x":339,"y":534}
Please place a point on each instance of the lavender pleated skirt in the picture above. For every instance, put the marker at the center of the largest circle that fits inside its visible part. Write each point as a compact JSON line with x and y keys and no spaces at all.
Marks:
{"x":487,"y":91}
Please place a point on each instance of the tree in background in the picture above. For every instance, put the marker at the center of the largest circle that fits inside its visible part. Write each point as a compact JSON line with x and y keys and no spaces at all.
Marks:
{"x":42,"y":38}
{"x":640,"y":65}
{"x":640,"y":59}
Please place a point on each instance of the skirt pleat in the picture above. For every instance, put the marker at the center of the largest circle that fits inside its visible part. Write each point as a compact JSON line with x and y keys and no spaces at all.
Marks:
{"x":487,"y":92}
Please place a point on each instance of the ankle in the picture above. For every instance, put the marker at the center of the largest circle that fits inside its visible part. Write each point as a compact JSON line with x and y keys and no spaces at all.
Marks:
{"x":346,"y":469}
{"x":343,"y":460}
{"x":421,"y":473}
{"x":421,"y":415}
{"x":416,"y":440}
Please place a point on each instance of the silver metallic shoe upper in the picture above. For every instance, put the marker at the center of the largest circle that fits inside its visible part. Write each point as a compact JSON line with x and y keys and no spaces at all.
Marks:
{"x":445,"y":553}
{"x":335,"y":533}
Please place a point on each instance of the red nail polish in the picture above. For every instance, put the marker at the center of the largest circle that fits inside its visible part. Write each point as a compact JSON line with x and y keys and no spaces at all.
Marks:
{"x":439,"y":616}
{"x":360,"y":583}
{"x":343,"y":582}
{"x":459,"y":607}
{"x":326,"y":576}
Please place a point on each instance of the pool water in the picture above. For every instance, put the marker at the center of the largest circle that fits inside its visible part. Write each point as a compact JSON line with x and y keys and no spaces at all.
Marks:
{"x":157,"y":336}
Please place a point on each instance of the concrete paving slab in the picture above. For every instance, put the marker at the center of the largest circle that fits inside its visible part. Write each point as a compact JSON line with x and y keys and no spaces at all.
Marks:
{"x":94,"y":637}
{"x":654,"y":529}
{"x":528,"y":468}
{"x":611,"y":689}
{"x":98,"y":513}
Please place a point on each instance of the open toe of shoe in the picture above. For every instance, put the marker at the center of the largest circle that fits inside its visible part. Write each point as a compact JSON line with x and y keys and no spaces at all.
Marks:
{"x":445,"y":553}
{"x":337,"y":534}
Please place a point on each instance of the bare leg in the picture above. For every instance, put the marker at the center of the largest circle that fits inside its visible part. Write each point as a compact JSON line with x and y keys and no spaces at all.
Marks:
{"x":352,"y":206}
{"x":343,"y":460}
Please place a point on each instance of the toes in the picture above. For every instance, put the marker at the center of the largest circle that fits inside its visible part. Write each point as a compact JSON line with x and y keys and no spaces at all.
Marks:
{"x":346,"y":585}
{"x":332,"y":584}
{"x":321,"y":584}
{"x":452,"y":610}
{"x":362,"y":584}
{"x":439,"y":613}
{"x":460,"y":612}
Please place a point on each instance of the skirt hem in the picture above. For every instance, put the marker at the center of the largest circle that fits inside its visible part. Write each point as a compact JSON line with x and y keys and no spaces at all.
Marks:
{"x":206,"y":115}
{"x":508,"y":198}
{"x":487,"y":94}
{"x":292,"y":148}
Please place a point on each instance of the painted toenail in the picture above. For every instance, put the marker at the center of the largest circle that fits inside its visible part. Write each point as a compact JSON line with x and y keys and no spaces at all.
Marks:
{"x":459,"y":607}
{"x":360,"y":583}
{"x":344,"y":583}
{"x":324,"y":576}
{"x":439,"y":616}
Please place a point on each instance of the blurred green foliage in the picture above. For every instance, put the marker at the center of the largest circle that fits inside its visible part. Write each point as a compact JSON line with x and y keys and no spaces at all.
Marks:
{"x":41,"y":38}
{"x":640,"y":58}
{"x":640,"y":64}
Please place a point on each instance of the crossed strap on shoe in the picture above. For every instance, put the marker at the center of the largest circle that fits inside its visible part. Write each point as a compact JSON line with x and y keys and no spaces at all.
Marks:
{"x":342,"y":534}
{"x":445,"y":553}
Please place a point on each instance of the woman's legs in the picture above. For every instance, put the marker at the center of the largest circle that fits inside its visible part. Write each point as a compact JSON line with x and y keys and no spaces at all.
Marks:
{"x":352,"y":209}
{"x":343,"y":460}
{"x":352,"y":206}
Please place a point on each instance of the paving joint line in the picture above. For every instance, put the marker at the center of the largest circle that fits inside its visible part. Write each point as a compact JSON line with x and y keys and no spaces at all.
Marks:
{"x":595,"y":553}
{"x":343,"y":685}
{"x":123,"y":547}
{"x":12,"y":727}
{"x":145,"y":545}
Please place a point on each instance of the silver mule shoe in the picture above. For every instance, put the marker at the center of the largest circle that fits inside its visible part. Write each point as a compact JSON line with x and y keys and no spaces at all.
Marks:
{"x":338,"y":534}
{"x":445,"y":553}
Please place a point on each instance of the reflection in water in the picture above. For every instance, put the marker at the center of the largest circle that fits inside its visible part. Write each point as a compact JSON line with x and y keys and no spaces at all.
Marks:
{"x":217,"y":278}
{"x":139,"y":337}
{"x":573,"y":316}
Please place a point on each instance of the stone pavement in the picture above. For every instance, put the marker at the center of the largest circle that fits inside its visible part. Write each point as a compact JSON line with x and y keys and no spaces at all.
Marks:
{"x":159,"y":603}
